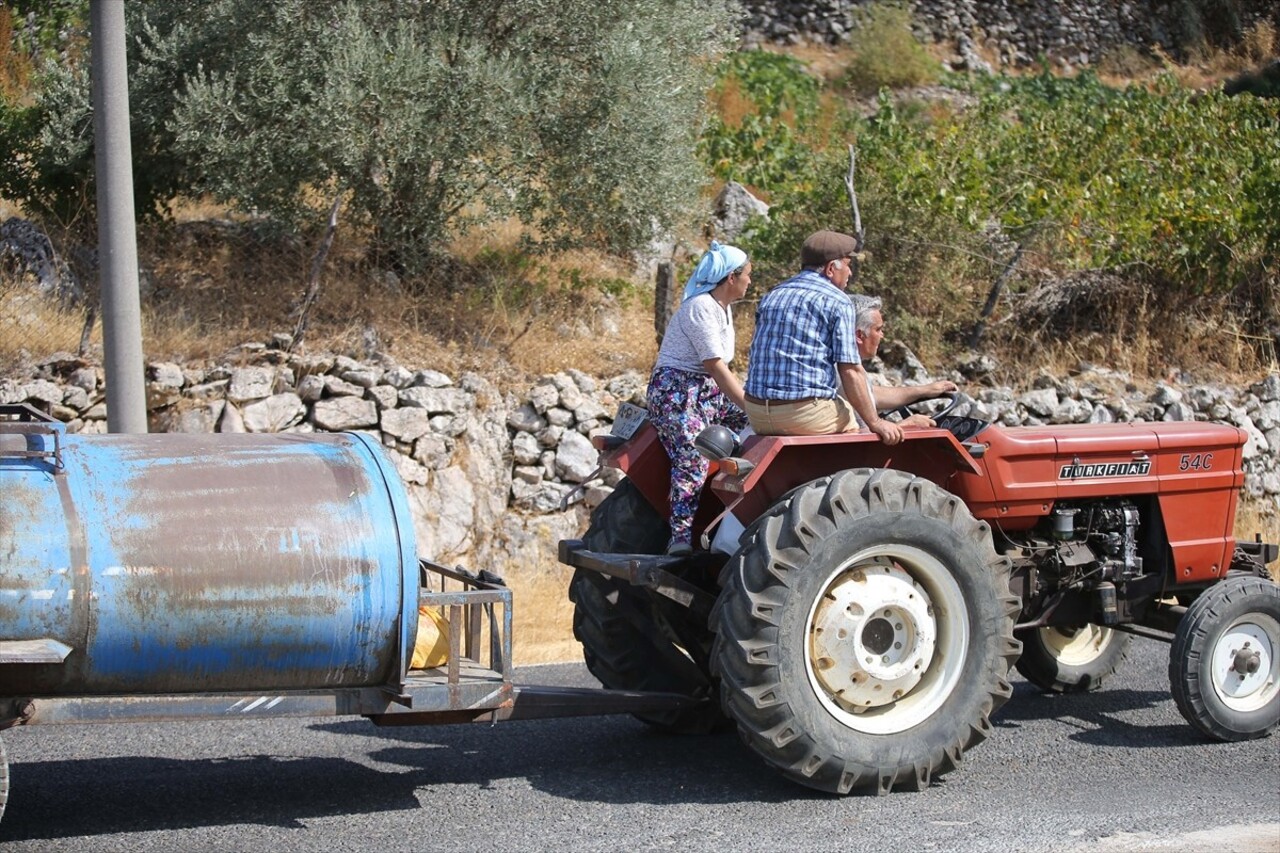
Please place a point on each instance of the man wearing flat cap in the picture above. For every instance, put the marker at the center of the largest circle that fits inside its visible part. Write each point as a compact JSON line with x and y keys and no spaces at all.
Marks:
{"x":804,"y":375}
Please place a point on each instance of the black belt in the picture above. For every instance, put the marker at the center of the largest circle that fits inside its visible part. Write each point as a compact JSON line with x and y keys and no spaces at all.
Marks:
{"x":759,"y":402}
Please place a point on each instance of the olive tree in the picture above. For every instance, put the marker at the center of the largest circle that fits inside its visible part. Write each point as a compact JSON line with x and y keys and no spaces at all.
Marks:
{"x":425,"y":116}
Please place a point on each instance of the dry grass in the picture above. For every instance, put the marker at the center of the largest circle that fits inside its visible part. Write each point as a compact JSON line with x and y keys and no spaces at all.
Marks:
{"x":1205,"y":68}
{"x":1253,"y":518}
{"x":210,"y":285}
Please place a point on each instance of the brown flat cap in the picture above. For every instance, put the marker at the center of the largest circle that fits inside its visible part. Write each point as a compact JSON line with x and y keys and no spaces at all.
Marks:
{"x":823,"y":246}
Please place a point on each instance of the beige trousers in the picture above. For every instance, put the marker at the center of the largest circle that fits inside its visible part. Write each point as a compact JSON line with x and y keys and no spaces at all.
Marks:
{"x":816,"y":417}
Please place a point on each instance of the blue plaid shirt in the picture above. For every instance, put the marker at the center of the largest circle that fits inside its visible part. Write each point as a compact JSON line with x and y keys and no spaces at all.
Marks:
{"x":804,"y":327}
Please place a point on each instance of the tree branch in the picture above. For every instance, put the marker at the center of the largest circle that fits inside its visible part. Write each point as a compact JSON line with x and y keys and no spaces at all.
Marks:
{"x":859,"y":235}
{"x":313,"y":283}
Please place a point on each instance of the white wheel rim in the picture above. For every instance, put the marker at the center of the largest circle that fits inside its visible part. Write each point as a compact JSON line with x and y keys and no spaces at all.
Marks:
{"x":1244,"y":663}
{"x":887,"y":639}
{"x":1077,"y":646}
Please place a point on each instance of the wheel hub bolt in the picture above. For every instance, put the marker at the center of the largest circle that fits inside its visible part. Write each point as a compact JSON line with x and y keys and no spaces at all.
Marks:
{"x":1246,"y":661}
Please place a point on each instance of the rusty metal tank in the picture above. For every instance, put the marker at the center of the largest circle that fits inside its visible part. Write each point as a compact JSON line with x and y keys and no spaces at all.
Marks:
{"x":175,"y":563}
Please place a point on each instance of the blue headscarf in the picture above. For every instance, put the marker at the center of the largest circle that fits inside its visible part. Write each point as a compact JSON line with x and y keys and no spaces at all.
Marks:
{"x":718,"y":262}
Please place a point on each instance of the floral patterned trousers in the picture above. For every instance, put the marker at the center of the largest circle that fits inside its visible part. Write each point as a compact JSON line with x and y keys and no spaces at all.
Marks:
{"x":681,"y":405}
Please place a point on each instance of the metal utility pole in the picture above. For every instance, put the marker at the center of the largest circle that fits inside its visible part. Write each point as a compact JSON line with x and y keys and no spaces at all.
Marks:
{"x":117,"y":236}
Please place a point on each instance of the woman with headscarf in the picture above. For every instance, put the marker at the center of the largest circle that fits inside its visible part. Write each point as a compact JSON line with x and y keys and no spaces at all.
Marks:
{"x":692,"y":386}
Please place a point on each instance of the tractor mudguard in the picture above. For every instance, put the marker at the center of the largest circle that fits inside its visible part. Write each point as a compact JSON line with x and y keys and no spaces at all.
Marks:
{"x":779,"y":463}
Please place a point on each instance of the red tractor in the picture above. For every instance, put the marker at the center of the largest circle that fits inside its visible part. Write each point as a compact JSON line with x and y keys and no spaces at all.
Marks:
{"x":857,"y":607}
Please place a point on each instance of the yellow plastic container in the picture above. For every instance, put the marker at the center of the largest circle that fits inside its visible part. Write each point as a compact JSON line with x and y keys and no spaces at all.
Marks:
{"x":431,"y":648}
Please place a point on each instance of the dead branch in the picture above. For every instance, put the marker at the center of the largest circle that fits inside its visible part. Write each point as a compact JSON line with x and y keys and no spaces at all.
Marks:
{"x":994,"y":296}
{"x":859,"y":235}
{"x":312,"y":293}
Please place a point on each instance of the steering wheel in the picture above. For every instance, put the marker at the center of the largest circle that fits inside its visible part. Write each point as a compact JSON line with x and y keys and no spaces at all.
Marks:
{"x":906,"y":412}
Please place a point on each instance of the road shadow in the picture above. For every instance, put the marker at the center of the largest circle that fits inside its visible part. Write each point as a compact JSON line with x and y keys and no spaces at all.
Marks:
{"x":614,"y":760}
{"x":105,"y":796}
{"x":1097,"y":718}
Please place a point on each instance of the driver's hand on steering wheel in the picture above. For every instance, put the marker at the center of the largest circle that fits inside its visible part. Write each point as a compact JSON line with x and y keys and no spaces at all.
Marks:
{"x":942,"y":386}
{"x":917,"y":421}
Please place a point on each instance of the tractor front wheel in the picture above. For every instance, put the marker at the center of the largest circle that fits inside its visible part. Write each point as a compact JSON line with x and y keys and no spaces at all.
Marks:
{"x":865,"y":633}
{"x":1071,"y":660}
{"x":1224,"y":665}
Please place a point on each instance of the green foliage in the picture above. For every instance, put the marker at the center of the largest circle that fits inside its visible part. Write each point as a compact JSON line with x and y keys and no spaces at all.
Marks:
{"x":577,"y":117}
{"x":42,"y":29}
{"x":764,"y":101}
{"x":1178,"y":187}
{"x":886,"y":54}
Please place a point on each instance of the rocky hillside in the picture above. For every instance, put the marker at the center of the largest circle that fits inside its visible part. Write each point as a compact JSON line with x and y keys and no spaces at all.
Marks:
{"x":1070,"y":33}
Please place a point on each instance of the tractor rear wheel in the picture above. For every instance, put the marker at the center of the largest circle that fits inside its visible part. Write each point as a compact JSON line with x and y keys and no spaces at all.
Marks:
{"x":628,"y":639}
{"x":1071,"y":660}
{"x":865,"y":633}
{"x":1224,"y":664}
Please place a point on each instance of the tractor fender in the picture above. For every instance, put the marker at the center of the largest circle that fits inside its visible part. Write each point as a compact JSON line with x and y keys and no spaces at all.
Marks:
{"x":776,"y":464}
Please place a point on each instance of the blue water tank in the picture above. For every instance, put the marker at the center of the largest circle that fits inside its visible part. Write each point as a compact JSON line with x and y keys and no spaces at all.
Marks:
{"x":176,"y":563}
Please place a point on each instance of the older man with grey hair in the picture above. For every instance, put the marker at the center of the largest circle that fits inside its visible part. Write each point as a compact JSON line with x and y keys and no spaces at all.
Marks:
{"x":869,"y":332}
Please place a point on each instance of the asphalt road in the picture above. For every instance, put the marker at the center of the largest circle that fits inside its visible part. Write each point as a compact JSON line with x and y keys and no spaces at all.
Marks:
{"x":1114,"y":770}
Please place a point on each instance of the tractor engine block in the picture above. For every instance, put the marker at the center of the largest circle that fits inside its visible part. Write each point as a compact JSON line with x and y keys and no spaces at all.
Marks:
{"x":1082,"y":545}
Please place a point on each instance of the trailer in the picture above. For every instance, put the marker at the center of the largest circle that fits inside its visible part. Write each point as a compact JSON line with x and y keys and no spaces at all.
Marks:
{"x":183,"y":577}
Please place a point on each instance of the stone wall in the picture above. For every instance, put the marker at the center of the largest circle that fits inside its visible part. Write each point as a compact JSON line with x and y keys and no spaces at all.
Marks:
{"x":1017,"y":32}
{"x":472,"y":455}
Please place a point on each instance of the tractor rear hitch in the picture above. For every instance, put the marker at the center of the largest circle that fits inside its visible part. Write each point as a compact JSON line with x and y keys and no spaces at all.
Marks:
{"x":652,"y":571}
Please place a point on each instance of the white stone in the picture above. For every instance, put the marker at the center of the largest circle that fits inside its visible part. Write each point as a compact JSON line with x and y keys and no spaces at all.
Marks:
{"x":406,"y":424}
{"x":527,"y":474}
{"x":201,"y":419}
{"x":250,"y":383}
{"x":230,"y":421}
{"x":1101,"y":415}
{"x":543,"y":396}
{"x":362,"y":375}
{"x":1072,"y":411}
{"x":550,"y":437}
{"x":525,"y":419}
{"x":431,"y":379}
{"x":344,"y":413}
{"x":576,"y":459}
{"x":75,"y":397}
{"x":166,"y":373}
{"x":433,"y":451}
{"x":275,"y":413}
{"x":557,"y":416}
{"x":1040,"y":402}
{"x":43,"y":391}
{"x":734,"y":208}
{"x":451,"y":425}
{"x":437,"y":401}
{"x":586,"y":384}
{"x":1256,"y":442}
{"x":84,"y":377}
{"x":570,"y":394}
{"x":398,"y":377}
{"x":1178,"y":411}
{"x":159,"y":396}
{"x":1165,"y":395}
{"x":384,"y":395}
{"x":311,"y":388}
{"x":590,"y":410}
{"x":337,"y":387}
{"x":409,"y":469}
{"x":524,"y":448}
{"x":1268,"y":415}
